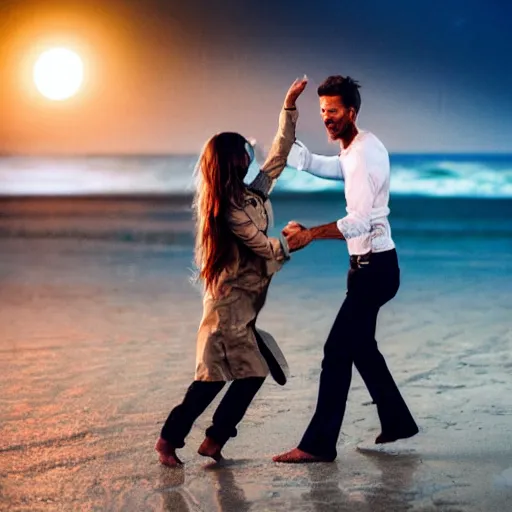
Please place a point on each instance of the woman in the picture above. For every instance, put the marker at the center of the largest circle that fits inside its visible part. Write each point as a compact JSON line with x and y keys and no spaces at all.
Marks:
{"x":236,"y":261}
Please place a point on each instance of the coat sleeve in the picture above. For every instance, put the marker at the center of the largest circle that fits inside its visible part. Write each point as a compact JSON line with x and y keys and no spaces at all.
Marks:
{"x":276,"y":159}
{"x":273,"y":250}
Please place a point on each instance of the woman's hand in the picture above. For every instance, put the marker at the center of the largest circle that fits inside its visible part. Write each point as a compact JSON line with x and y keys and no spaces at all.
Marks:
{"x":295,"y":91}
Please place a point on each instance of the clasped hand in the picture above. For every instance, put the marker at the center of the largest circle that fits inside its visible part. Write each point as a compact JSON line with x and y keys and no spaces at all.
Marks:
{"x":297,"y":236}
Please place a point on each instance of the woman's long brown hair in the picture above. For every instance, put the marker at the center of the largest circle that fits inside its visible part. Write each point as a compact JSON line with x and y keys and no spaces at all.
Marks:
{"x":220,"y":171}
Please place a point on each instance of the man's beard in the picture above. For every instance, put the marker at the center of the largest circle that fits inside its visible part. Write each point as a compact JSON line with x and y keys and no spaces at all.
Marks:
{"x":335,"y":131}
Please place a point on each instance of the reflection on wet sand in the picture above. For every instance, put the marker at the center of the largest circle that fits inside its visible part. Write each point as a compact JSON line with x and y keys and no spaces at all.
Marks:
{"x":334,"y":487}
{"x":175,"y":497}
{"x":229,"y":496}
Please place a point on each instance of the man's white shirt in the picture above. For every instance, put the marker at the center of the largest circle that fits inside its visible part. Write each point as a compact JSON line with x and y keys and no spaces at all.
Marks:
{"x":364,"y":167}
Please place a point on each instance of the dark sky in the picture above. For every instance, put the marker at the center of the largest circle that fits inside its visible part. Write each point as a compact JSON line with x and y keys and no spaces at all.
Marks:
{"x":163,"y":76}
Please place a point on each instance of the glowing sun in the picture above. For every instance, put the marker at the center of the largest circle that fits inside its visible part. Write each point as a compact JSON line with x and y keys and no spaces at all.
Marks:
{"x":58,"y":74}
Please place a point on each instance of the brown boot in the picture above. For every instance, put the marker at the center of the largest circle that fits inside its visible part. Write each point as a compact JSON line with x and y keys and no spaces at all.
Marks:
{"x":210,"y":448}
{"x":167,"y":453}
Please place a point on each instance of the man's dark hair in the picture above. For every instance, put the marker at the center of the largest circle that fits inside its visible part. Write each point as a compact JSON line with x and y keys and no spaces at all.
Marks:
{"x":344,"y":87}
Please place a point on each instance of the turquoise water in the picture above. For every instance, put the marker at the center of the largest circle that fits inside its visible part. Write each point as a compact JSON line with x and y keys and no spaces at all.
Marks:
{"x":460,"y":234}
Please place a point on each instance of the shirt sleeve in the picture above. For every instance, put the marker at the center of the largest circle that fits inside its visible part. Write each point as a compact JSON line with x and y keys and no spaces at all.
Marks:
{"x":276,"y":160}
{"x":360,"y":196}
{"x":273,"y":250}
{"x":327,"y":167}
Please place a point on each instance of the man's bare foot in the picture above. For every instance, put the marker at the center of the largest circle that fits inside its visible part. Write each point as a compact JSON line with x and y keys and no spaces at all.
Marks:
{"x":210,"y":448}
{"x":297,"y":456}
{"x":167,"y":453}
{"x":391,"y":437}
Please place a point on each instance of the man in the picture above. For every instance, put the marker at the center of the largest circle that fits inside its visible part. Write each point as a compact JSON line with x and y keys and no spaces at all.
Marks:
{"x":373,"y":277}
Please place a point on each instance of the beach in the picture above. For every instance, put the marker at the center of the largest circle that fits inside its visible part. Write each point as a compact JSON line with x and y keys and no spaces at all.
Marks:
{"x":97,"y":344}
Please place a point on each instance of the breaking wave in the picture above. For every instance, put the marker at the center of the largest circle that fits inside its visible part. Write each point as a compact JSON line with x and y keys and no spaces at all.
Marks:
{"x":487,"y":176}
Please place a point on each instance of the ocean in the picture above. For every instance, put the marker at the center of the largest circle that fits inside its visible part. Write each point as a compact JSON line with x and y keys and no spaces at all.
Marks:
{"x":460,"y":201}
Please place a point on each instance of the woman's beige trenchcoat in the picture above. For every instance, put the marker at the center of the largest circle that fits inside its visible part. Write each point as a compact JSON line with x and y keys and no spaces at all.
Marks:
{"x":227,"y":342}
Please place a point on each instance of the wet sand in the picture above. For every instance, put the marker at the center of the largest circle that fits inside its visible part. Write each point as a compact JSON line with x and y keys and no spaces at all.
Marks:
{"x":98,"y":344}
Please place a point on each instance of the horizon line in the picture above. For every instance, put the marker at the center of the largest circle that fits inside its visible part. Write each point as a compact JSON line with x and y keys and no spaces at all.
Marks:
{"x":11,"y":154}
